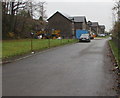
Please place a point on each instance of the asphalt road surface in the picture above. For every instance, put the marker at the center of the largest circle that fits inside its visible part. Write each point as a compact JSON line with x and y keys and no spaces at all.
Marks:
{"x":80,"y":69}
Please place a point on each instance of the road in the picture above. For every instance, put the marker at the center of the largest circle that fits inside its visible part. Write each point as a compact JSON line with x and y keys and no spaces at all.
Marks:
{"x":80,"y":69}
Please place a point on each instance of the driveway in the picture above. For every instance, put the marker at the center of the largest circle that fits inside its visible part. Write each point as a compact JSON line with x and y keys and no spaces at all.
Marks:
{"x":80,"y":69}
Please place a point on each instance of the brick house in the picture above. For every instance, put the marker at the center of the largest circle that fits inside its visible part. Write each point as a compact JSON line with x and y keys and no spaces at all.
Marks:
{"x":66,"y":24}
{"x":80,"y":22}
{"x":95,"y":27}
{"x":102,"y":29}
{"x":59,"y":21}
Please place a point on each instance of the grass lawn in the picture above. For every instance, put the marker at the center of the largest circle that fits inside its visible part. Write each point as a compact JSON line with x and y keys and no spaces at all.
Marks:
{"x":115,"y":50}
{"x":12,"y":48}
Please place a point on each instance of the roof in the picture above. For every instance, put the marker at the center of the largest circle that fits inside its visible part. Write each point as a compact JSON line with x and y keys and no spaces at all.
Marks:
{"x":78,"y":18}
{"x":102,"y":26}
{"x":95,"y":24}
{"x":63,"y":14}
{"x":66,"y":15}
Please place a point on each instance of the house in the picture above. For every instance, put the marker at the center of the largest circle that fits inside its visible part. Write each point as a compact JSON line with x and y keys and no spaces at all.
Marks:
{"x":61,"y":22}
{"x":95,"y":28}
{"x":102,"y":28}
{"x":80,"y":22}
{"x":67,"y":25}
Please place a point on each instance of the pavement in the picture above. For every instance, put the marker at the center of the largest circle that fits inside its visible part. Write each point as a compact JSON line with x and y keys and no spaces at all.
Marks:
{"x":80,"y":69}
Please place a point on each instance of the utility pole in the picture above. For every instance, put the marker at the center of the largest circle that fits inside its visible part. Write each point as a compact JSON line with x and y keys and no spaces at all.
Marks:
{"x":73,"y":28}
{"x":97,"y":30}
{"x":42,"y":9}
{"x":90,"y":27}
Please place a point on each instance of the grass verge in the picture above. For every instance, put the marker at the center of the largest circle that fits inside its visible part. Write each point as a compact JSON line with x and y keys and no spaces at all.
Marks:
{"x":115,"y":50}
{"x":12,"y":48}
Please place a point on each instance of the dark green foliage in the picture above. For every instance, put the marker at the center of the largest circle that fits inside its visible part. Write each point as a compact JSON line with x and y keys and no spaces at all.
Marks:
{"x":18,"y":21}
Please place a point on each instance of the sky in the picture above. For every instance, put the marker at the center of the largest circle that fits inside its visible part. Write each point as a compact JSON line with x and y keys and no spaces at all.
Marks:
{"x":78,"y":0}
{"x":94,"y":10}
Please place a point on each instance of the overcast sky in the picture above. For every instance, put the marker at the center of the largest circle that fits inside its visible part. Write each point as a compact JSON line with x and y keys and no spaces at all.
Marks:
{"x":94,"y":10}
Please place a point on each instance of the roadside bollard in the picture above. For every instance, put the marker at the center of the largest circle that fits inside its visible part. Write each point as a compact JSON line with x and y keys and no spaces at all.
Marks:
{"x":32,"y":34}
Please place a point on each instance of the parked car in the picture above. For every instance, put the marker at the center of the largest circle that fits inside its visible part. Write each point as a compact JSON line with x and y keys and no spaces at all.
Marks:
{"x":84,"y":37}
{"x":110,"y":34}
{"x":91,"y":37}
{"x":101,"y":35}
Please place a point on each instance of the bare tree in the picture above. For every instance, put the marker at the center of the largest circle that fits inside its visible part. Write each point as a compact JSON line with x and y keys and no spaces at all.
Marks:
{"x":18,"y":15}
{"x":116,"y":9}
{"x":116,"y":26}
{"x":41,"y":10}
{"x":9,"y":13}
